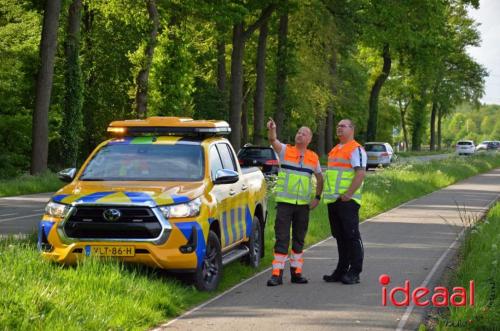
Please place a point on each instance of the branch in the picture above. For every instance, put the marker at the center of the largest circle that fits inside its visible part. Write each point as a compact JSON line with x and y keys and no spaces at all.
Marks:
{"x":266,"y":13}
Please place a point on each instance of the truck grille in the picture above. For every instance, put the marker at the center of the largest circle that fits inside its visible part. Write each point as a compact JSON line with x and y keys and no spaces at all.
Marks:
{"x":134,"y":223}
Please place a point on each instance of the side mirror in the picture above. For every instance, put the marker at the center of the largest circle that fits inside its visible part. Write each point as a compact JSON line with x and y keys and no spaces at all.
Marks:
{"x":226,"y":176}
{"x":67,"y":175}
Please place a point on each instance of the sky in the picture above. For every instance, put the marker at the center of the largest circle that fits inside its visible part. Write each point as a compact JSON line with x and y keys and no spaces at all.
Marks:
{"x":488,"y":15}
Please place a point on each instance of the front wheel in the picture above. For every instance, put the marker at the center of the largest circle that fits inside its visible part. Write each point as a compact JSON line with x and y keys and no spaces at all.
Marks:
{"x":209,"y":271}
{"x":255,"y":244}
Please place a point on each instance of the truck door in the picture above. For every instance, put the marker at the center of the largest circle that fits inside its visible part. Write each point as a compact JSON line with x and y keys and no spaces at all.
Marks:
{"x":232,"y":211}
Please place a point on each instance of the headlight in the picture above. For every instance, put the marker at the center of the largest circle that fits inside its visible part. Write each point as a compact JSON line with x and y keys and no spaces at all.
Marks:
{"x":56,"y":209}
{"x":189,"y":209}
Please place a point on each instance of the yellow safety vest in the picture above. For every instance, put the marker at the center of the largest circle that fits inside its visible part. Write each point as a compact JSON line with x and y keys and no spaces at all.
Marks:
{"x":294,"y":183}
{"x":339,"y":174}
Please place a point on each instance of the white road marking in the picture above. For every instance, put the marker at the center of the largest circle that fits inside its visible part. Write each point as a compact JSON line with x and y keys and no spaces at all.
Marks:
{"x":20,"y":217}
{"x":2,"y":215}
{"x":26,"y":199}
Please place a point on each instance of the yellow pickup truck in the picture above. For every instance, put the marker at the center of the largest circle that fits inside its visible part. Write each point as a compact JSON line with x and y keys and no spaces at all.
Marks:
{"x":167,"y":192}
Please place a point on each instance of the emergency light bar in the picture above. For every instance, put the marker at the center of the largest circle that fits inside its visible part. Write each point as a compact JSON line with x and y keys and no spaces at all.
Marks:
{"x":169,"y":126}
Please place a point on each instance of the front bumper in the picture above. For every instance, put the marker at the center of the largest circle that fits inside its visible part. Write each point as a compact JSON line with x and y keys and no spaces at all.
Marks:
{"x":165,"y":251}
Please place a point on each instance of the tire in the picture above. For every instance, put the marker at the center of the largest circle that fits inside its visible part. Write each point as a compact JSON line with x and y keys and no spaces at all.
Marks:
{"x":209,"y":273}
{"x":255,"y":245}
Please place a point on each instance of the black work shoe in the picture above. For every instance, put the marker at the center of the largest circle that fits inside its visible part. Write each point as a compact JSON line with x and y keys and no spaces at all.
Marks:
{"x":334,"y":277}
{"x":276,"y":280}
{"x":297,"y":277}
{"x":350,"y":278}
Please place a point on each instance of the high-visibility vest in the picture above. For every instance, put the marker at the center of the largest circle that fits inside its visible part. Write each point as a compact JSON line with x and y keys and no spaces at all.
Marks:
{"x":294,"y":183}
{"x":339,"y":174}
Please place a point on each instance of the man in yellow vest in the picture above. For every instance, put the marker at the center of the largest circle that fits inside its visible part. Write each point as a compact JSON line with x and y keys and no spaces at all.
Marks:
{"x":293,"y":197}
{"x":342,"y":192}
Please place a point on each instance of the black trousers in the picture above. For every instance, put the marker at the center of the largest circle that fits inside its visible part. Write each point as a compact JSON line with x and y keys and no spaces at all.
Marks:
{"x":288,"y":215}
{"x":344,"y":224}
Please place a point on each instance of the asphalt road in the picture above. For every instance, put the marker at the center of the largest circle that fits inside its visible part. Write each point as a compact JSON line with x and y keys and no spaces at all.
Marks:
{"x":414,"y":242}
{"x":21,"y":214}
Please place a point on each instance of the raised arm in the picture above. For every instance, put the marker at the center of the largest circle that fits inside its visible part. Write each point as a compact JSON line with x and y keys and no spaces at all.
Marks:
{"x":271,"y":135}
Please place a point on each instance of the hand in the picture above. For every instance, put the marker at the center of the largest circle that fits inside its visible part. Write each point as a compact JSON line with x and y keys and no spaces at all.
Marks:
{"x":313,"y":204}
{"x":271,"y":125}
{"x":345,"y":197}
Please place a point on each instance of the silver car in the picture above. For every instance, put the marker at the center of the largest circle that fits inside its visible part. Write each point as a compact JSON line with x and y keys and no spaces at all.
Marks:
{"x":379,"y":153}
{"x":465,"y":147}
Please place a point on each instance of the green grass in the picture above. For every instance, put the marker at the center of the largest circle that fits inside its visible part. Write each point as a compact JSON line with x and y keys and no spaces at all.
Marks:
{"x":479,"y":262}
{"x":99,"y":294}
{"x":48,"y":182}
{"x":423,"y":153}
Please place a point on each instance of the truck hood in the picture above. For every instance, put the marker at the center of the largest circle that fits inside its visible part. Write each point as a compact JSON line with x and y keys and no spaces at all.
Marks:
{"x":151,"y":193}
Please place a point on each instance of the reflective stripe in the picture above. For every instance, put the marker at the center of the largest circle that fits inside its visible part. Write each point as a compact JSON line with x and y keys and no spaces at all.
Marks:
{"x":279,"y":261}
{"x":297,"y":165}
{"x":296,"y":261}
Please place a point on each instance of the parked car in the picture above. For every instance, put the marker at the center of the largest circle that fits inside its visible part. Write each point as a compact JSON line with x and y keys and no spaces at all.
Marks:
{"x":265,"y":158}
{"x":484,"y":145}
{"x":379,"y":153}
{"x":165,"y":192}
{"x":465,"y":147}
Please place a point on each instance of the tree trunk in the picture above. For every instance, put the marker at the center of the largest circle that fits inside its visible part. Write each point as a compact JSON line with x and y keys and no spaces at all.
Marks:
{"x":244,"y":113}
{"x":432,"y":143}
{"x":48,"y":47}
{"x":236,"y":96}
{"x":440,"y":115}
{"x":330,"y":129}
{"x":221,"y":68}
{"x":330,"y":125}
{"x":402,"y":111}
{"x":320,"y":137}
{"x":240,"y":36}
{"x":142,"y":80}
{"x":371,"y":132}
{"x":71,"y":127}
{"x":281,"y":74}
{"x":260,"y":87}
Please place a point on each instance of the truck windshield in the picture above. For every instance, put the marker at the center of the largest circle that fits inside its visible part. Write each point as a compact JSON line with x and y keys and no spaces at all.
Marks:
{"x":146,"y":162}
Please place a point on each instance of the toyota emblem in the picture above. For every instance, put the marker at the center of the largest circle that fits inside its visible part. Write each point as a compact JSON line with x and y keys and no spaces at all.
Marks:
{"x":111,"y":215}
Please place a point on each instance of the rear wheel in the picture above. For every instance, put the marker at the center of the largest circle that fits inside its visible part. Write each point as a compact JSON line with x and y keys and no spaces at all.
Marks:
{"x":255,"y":244}
{"x":209,"y":272}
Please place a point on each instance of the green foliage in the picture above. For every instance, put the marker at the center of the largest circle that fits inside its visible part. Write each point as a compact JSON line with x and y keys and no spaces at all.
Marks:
{"x":475,"y":123}
{"x":333,"y":58}
{"x":479,"y":262}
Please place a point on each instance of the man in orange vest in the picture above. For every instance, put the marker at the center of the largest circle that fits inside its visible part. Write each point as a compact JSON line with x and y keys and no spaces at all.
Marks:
{"x":293,"y":196}
{"x":343,"y":181}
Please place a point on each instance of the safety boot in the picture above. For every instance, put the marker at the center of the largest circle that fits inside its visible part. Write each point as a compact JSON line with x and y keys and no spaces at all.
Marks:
{"x":276,"y":280}
{"x":297,"y":276}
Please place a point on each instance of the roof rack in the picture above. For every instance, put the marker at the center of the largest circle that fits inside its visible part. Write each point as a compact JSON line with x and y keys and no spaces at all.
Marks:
{"x":168,"y":126}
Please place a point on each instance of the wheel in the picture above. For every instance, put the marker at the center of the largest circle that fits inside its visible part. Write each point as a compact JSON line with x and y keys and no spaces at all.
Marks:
{"x":209,"y":272}
{"x":255,"y":244}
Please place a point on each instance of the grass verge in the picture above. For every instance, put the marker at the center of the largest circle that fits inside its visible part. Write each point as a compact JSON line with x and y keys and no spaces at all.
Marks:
{"x":48,"y":182}
{"x":478,"y":260}
{"x":100,"y":294}
{"x":424,"y":153}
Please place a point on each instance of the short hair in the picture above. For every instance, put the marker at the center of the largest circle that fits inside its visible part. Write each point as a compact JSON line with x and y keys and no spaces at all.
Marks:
{"x":353,"y":125}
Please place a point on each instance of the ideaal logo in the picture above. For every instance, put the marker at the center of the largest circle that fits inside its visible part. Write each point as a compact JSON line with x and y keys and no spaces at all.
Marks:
{"x":422,"y":296}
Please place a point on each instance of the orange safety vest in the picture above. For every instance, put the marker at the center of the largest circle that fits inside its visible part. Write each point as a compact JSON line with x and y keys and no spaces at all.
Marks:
{"x":294,"y":183}
{"x":339,"y":174}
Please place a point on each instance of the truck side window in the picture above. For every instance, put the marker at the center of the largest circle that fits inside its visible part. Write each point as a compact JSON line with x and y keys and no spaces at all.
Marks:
{"x":215,"y":162}
{"x":227,"y":156}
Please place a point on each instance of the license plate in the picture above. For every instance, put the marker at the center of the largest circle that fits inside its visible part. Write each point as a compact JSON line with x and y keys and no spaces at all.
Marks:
{"x":372,"y":158}
{"x":110,"y":250}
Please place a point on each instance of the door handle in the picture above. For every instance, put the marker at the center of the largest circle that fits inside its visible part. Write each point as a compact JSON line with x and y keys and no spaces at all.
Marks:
{"x":244,"y":187}
{"x":232,"y":192}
